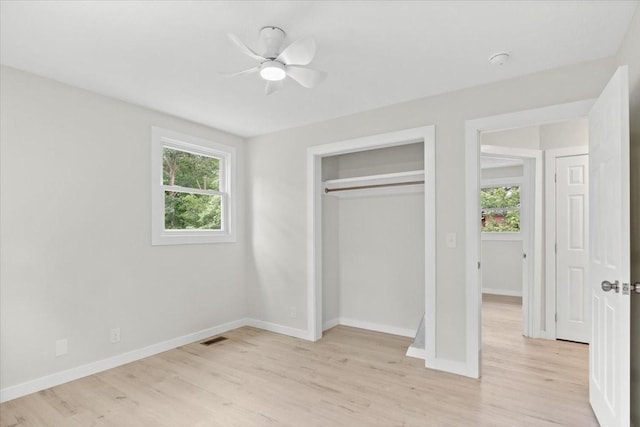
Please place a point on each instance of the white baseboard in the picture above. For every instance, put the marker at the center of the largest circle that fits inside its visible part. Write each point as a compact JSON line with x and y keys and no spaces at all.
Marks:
{"x":57,"y":378}
{"x":393,"y":330}
{"x":504,"y":292}
{"x":279,"y":329}
{"x":42,"y":383}
{"x":331,"y":323}
{"x":418,"y":353}
{"x":451,"y":366}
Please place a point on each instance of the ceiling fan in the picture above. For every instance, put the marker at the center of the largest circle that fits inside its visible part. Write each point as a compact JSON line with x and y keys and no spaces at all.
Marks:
{"x":275,"y":65}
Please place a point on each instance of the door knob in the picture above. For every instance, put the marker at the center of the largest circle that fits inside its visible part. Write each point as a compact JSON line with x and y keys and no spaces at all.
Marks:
{"x":607,"y":286}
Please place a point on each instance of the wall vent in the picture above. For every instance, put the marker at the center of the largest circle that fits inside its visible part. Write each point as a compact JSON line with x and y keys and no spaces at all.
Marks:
{"x":215,"y":340}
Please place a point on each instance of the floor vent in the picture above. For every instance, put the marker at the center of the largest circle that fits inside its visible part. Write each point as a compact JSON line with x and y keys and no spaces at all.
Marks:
{"x":214,"y":340}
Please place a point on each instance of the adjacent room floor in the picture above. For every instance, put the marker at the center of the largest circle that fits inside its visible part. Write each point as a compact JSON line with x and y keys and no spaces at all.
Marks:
{"x":352,"y":377}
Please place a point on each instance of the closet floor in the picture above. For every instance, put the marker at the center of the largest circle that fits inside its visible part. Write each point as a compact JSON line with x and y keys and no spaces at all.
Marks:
{"x":351,"y":377}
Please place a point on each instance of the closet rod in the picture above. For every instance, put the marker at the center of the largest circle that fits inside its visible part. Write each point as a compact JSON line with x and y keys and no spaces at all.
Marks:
{"x":362,"y":187}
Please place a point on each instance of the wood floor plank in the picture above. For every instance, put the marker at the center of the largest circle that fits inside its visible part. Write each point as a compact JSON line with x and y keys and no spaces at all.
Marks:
{"x":351,"y":377}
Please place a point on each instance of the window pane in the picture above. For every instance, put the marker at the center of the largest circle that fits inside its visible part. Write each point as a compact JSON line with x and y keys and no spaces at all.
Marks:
{"x":500,"y":209}
{"x":184,"y":211}
{"x":190,"y":170}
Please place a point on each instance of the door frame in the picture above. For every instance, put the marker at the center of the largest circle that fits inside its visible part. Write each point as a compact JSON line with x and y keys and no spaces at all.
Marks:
{"x":473,"y":129}
{"x":550,"y":157}
{"x":425,"y":134}
{"x":530,"y":220}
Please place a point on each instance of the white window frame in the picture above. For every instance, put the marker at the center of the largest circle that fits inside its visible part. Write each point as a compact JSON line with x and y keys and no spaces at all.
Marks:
{"x":504,"y":182}
{"x":164,"y":138}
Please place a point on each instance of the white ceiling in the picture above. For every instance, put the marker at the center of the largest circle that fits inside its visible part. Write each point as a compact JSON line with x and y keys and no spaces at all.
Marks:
{"x":166,"y":55}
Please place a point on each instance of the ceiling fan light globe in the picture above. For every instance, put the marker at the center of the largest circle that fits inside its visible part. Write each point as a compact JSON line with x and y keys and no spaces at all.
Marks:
{"x":272,"y":71}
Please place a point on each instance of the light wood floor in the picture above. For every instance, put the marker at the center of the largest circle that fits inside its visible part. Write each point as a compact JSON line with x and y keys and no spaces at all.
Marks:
{"x":351,"y":377}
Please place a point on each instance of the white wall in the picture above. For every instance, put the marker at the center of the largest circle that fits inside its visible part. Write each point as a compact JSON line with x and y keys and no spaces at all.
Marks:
{"x":75,"y":218}
{"x":628,"y":55}
{"x":502,"y":267}
{"x":527,"y":137}
{"x":402,"y":158}
{"x":570,"y":133}
{"x":277,"y":274}
{"x":382,"y":260}
{"x":505,"y":172}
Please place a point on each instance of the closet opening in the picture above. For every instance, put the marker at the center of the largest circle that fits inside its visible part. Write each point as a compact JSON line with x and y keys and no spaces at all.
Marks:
{"x":373,"y":239}
{"x":372,"y":235}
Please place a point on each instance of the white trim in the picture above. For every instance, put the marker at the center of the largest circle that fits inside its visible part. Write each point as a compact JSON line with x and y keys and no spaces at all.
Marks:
{"x":430,"y":253}
{"x":504,"y":292}
{"x":554,"y":113}
{"x":278,"y":329}
{"x":424,"y":134}
{"x":504,"y":236}
{"x":161,"y":138}
{"x":418,"y":353}
{"x":377,"y":327}
{"x":451,"y":366}
{"x":330,"y":324}
{"x":550,"y":230}
{"x":57,"y":378}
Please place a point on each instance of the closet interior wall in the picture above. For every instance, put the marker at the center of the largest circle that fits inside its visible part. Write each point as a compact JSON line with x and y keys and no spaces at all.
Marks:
{"x":373,"y":245}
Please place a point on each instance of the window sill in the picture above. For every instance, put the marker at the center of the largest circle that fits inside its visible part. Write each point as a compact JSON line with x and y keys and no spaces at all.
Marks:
{"x":501,"y":236}
{"x":186,"y":238}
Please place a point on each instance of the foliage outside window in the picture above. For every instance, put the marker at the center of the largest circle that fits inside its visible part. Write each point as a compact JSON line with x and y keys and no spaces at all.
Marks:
{"x":192,"y":200}
{"x":500,"y":209}
{"x":182,"y":174}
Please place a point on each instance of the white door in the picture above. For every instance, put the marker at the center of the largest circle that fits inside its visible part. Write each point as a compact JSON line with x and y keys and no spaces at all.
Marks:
{"x":609,"y":352}
{"x":573,"y":294}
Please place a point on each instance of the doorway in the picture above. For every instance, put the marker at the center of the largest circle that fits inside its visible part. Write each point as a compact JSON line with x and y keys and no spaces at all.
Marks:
{"x":507,"y":203}
{"x":538,"y":313}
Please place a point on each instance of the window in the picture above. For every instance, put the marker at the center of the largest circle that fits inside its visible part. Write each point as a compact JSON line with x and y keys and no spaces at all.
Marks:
{"x":500,"y":209}
{"x":192,"y":186}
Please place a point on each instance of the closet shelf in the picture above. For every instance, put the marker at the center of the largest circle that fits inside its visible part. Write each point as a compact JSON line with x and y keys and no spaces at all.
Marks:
{"x":411,"y":182}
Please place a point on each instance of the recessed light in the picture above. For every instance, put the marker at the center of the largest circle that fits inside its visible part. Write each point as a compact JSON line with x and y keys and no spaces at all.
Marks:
{"x":499,"y":58}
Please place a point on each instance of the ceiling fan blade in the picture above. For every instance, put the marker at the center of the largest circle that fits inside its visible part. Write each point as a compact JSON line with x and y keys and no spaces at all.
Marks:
{"x":300,"y":52}
{"x":240,"y":73}
{"x":244,"y":48}
{"x":305,"y":76}
{"x":273,"y":86}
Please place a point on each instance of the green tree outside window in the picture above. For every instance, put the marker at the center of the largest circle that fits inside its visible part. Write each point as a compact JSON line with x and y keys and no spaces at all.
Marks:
{"x":500,"y":209}
{"x":185,"y":210}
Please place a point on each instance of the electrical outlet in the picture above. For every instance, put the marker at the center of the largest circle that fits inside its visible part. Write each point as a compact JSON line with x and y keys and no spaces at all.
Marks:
{"x":115,"y":335}
{"x":293,"y":313}
{"x":61,"y":347}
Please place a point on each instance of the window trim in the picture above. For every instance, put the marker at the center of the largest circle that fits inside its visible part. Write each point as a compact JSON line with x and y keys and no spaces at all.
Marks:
{"x":161,"y":138}
{"x":503,"y":182}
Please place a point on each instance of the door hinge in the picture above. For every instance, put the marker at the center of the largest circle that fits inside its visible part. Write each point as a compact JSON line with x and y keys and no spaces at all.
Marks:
{"x":555,"y":177}
{"x":556,"y":317}
{"x":478,"y":265}
{"x":555,"y":247}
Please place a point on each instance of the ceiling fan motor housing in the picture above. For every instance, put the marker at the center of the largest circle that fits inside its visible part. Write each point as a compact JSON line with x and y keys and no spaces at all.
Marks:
{"x":273,"y":38}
